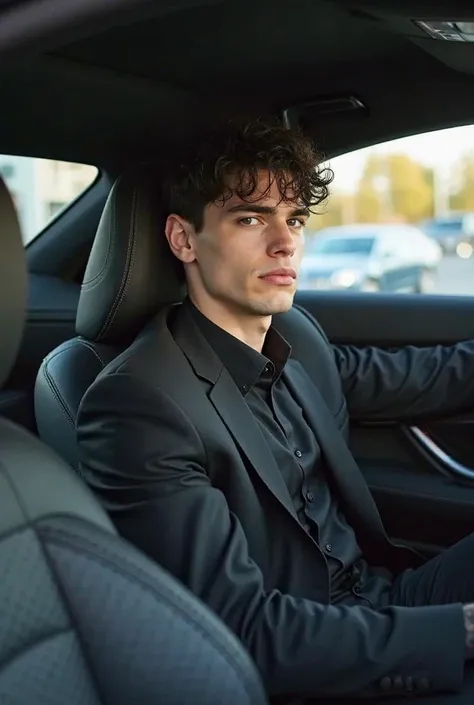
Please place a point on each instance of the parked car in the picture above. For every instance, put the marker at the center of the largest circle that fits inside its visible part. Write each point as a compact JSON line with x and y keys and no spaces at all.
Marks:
{"x":373,"y":257}
{"x":450,"y":230}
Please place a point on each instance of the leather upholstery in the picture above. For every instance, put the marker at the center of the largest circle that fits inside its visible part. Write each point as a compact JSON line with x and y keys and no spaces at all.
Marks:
{"x":86,"y":619}
{"x":130,"y":275}
{"x":63,"y":378}
{"x":130,"y":272}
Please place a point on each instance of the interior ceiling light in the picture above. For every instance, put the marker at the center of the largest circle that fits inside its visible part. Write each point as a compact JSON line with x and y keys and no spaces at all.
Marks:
{"x":447,"y":31}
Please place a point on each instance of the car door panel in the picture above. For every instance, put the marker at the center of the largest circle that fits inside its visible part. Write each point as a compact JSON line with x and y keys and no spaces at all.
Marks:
{"x":422,"y":477}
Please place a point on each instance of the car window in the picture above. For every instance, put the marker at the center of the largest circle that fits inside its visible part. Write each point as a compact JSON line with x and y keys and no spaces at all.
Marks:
{"x":416,"y":197}
{"x":43,"y":188}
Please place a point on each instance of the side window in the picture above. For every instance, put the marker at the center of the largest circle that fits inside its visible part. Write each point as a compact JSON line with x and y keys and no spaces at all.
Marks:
{"x":43,"y":188}
{"x":414,"y":197}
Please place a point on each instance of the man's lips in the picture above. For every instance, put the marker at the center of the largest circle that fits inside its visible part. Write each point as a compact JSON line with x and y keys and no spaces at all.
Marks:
{"x":284,"y":276}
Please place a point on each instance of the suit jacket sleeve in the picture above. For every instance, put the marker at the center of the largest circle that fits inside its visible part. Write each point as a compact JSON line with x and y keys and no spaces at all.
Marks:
{"x":146,"y":461}
{"x":409,"y":383}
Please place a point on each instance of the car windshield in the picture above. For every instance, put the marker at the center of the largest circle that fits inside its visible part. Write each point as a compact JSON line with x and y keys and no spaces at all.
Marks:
{"x":341,"y":246}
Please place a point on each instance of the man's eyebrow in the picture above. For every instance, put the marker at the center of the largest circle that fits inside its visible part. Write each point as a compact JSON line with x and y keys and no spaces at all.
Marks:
{"x":300,"y":211}
{"x":251,"y":208}
{"x":265,"y":210}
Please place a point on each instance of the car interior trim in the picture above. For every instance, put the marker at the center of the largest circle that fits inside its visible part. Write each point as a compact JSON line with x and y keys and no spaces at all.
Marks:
{"x":440,"y":455}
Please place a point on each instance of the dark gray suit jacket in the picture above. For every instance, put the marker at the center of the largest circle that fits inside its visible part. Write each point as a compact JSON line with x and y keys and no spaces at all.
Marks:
{"x":171,"y":448}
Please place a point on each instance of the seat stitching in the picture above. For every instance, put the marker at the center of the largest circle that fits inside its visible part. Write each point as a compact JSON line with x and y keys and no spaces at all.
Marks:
{"x":33,"y":644}
{"x":57,"y":582}
{"x":71,"y":542}
{"x":56,"y":393}
{"x":99,"y":277}
{"x":88,"y":345}
{"x":54,"y":353}
{"x":134,"y":230}
{"x":33,"y":525}
{"x":127,"y":269}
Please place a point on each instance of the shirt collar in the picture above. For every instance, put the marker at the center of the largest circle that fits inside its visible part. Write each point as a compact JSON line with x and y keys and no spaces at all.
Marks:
{"x":244,"y":364}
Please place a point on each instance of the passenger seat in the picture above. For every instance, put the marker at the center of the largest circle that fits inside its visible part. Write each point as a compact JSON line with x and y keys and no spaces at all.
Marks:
{"x":85,"y":618}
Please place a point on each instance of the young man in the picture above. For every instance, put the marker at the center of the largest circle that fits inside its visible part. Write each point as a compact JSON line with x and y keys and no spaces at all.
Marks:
{"x":217,"y":442}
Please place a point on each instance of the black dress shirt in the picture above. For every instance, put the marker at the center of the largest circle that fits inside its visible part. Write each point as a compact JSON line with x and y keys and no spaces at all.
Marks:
{"x":293,"y":445}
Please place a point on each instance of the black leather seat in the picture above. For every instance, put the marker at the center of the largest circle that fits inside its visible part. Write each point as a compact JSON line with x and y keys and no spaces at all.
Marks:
{"x":129,"y":276}
{"x":84,"y":617}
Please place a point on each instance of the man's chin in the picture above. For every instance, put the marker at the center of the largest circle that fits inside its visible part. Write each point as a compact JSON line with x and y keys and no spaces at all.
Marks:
{"x":280,"y":303}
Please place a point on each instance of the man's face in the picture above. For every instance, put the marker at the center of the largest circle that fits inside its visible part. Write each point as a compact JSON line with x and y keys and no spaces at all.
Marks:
{"x":246,"y":258}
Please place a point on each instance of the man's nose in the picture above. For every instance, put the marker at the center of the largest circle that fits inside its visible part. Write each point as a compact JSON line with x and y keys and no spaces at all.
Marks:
{"x":282,"y":241}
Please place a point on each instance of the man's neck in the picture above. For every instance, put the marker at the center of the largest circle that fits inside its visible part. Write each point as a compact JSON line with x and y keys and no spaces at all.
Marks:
{"x":251,"y":330}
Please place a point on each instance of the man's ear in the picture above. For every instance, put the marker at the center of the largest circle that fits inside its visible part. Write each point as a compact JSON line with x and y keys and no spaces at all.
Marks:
{"x":180,"y":235}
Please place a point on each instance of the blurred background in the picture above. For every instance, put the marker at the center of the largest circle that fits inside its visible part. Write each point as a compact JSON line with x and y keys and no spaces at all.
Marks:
{"x":400,"y":218}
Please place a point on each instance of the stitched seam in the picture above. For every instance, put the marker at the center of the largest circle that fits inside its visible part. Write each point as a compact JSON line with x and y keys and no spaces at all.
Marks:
{"x":127,"y":270}
{"x":23,"y":650}
{"x":99,"y":277}
{"x":52,"y":573}
{"x":66,"y":541}
{"x":62,"y":593}
{"x":55,"y":391}
{"x":64,"y":348}
{"x":132,"y":258}
{"x":89,"y":347}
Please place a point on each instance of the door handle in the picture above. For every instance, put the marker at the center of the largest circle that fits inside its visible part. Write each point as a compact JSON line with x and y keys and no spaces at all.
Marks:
{"x":442,"y":457}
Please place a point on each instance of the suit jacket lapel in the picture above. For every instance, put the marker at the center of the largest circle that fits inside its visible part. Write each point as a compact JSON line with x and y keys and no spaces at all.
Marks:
{"x":233,"y":410}
{"x":359,"y":505}
{"x":231,"y":406}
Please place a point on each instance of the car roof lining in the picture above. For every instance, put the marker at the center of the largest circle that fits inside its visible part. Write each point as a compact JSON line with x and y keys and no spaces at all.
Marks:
{"x":135,"y":91}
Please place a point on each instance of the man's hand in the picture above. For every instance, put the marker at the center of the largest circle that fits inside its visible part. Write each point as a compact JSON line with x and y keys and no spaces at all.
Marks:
{"x":469,"y":624}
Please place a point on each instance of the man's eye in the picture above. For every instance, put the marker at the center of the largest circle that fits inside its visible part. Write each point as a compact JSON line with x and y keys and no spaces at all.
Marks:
{"x":248,"y":221}
{"x":296,"y":223}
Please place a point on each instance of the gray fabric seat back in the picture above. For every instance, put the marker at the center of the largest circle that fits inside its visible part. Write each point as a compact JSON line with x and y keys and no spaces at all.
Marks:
{"x":84,"y":617}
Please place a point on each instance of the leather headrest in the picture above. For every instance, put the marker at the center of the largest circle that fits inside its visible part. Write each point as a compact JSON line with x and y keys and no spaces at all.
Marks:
{"x":13,"y":283}
{"x":131,"y":271}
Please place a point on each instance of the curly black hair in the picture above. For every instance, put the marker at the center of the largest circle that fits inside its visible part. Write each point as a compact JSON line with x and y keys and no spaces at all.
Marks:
{"x":239,"y":151}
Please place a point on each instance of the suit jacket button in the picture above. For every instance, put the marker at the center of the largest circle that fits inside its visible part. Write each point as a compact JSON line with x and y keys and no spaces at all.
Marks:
{"x":386,"y":683}
{"x":423,"y":683}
